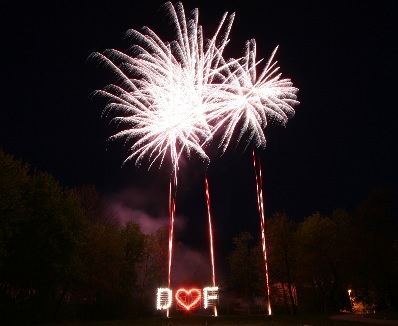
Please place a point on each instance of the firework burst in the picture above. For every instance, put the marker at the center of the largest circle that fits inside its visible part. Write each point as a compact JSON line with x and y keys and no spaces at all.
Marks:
{"x":166,"y":88}
{"x":252,"y":101}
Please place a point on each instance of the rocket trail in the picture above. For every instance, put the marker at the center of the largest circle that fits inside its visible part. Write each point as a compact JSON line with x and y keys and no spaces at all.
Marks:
{"x":172,"y":208}
{"x":260,"y":202}
{"x":211,"y":238}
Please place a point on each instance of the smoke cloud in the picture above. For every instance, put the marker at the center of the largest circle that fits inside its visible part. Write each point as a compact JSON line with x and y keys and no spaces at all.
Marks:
{"x":148,"y":207}
{"x":190,"y":267}
{"x":144,"y":207}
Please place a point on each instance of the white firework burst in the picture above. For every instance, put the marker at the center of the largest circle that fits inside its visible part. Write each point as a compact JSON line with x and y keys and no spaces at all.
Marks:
{"x":251,"y":101}
{"x":166,"y":88}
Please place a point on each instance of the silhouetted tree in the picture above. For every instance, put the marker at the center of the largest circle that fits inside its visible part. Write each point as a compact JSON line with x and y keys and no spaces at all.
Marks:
{"x":13,"y":181}
{"x":40,"y":236}
{"x":152,"y":269}
{"x":281,"y":254}
{"x":377,"y":232}
{"x":318,"y":266}
{"x":243,"y":260}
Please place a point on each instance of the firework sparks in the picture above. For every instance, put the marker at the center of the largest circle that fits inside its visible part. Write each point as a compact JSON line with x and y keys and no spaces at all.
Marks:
{"x":250,"y":100}
{"x":166,"y":88}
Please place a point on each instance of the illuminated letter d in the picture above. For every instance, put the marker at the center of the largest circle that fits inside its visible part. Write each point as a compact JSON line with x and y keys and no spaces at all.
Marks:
{"x":163,"y":300}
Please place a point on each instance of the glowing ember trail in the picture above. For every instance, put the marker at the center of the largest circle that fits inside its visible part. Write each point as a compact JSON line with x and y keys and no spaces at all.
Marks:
{"x":211,"y":239}
{"x":172,"y":207}
{"x":260,"y":202}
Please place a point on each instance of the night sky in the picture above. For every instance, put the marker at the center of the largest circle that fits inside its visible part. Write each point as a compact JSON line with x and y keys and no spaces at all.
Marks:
{"x":341,"y":143}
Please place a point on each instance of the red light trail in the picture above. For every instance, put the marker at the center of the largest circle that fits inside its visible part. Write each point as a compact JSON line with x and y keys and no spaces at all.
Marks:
{"x":260,"y":202}
{"x":211,"y":238}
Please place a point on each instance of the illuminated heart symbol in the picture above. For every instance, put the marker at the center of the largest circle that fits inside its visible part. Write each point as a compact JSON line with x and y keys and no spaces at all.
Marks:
{"x":188,"y":299}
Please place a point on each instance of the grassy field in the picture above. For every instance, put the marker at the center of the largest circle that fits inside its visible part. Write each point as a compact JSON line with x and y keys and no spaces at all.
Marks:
{"x":241,"y":320}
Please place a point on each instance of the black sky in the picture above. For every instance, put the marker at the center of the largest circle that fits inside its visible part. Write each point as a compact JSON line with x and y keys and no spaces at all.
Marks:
{"x":340,"y":144}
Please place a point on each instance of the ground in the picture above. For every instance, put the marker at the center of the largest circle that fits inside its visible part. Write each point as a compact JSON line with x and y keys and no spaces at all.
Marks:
{"x":390,"y":318}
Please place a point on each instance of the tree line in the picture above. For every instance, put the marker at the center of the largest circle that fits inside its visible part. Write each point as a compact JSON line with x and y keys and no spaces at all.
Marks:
{"x":345,"y":261}
{"x":62,"y":255}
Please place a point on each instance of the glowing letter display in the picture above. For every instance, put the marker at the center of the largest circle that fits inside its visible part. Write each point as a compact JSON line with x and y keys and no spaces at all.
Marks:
{"x":210,"y":296}
{"x":187,"y":299}
{"x":164,"y":298}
